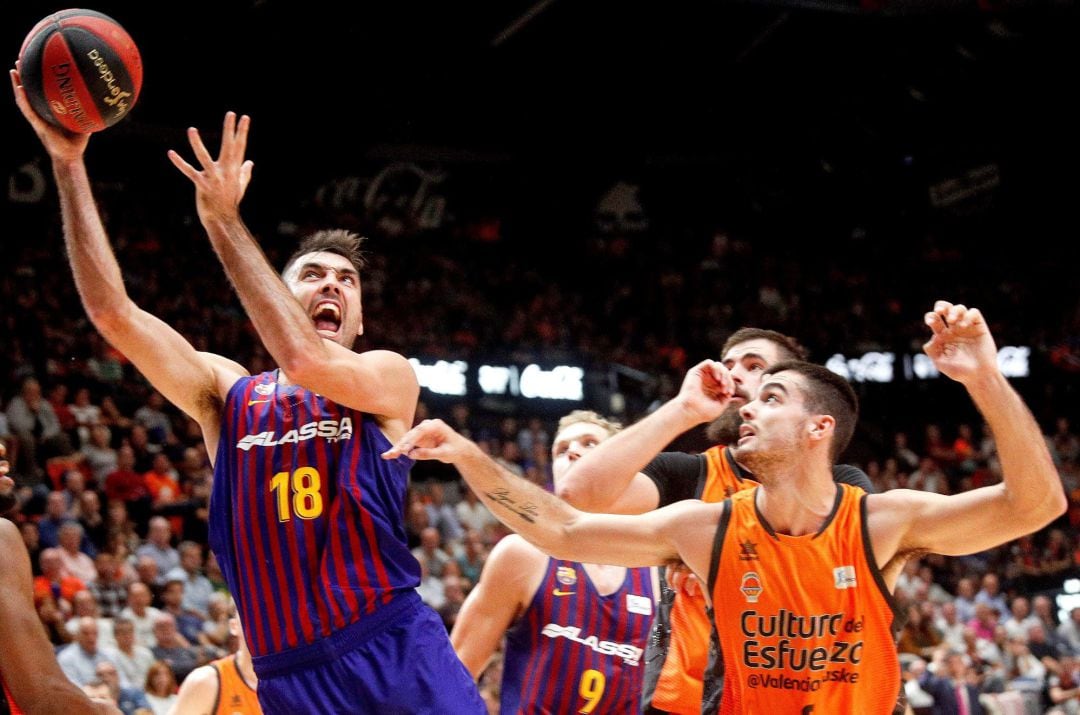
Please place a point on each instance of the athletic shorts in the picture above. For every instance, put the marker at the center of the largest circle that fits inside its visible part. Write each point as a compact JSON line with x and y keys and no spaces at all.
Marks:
{"x":397,"y":660}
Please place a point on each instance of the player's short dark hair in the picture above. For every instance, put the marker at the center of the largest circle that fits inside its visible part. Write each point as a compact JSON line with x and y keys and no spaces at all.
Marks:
{"x":790,"y":349}
{"x":827,"y":394}
{"x":337,"y":240}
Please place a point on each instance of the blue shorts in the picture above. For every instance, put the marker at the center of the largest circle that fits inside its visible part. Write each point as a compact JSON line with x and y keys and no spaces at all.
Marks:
{"x":399,"y":660}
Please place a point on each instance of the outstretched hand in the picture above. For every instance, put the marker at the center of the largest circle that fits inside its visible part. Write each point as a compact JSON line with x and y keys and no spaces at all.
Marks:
{"x":431,"y":439}
{"x":62,"y":145}
{"x":706,"y":390}
{"x":221,"y":183}
{"x":961,"y":345}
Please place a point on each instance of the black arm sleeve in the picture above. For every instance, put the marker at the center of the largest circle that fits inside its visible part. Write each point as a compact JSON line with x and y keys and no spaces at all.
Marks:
{"x":676,"y":475}
{"x":847,"y":474}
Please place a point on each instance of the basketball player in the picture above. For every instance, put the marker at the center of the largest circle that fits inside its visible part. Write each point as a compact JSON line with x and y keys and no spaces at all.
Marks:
{"x":575,"y":633}
{"x":225,"y":686}
{"x":682,"y":675}
{"x":305,"y":520}
{"x":803,"y":568}
{"x":30,"y":678}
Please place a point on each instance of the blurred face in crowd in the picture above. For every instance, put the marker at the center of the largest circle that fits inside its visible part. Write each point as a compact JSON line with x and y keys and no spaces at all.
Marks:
{"x":87,"y":634}
{"x":124,"y":632}
{"x":138,"y":597}
{"x":51,"y":563}
{"x":328,"y":287}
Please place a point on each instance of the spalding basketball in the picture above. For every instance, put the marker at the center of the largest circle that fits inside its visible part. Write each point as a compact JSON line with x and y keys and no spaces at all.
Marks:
{"x":81,"y":70}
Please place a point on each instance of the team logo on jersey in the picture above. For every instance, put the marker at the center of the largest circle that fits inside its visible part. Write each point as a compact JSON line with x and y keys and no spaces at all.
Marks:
{"x":265,"y":388}
{"x":330,"y":430}
{"x":751,"y":586}
{"x":844,"y":577}
{"x":748,"y":551}
{"x":566,"y":575}
{"x":630,"y":653}
{"x":640,"y":605}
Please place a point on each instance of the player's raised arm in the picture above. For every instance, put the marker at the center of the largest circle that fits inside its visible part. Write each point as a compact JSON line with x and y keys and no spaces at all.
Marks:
{"x":1031,"y":494}
{"x":557,"y":528}
{"x":609,"y":477}
{"x":191,"y":380}
{"x":309,"y":321}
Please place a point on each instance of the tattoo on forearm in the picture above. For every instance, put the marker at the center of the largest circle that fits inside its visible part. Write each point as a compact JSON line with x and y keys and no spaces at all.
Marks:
{"x":528,"y":511}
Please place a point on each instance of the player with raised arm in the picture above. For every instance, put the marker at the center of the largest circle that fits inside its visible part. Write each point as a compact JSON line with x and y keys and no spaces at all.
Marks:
{"x":804,"y":567}
{"x":305,"y":520}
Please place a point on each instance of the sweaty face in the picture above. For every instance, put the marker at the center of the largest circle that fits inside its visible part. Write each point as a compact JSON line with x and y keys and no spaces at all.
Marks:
{"x":572,"y":443}
{"x":328,"y":288}
{"x":773,"y":425}
{"x":746,"y":361}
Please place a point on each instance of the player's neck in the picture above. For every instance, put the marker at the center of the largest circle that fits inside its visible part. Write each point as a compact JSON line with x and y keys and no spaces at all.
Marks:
{"x":799,"y":505}
{"x":605,"y":579}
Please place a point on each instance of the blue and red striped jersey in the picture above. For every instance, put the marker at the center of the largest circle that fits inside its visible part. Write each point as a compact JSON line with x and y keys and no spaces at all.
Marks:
{"x":575,"y":651}
{"x":306,"y":519}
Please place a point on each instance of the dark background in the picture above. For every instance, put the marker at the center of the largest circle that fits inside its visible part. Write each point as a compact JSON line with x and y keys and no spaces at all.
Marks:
{"x":815,"y":131}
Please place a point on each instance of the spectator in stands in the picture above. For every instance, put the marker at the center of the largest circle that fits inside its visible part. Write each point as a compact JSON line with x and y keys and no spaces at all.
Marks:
{"x":442,"y":515}
{"x":55,"y":582}
{"x":1020,"y":618}
{"x":75,"y":562}
{"x":100,"y":457}
{"x":159,"y":547}
{"x":172,"y":648}
{"x":187,"y":623}
{"x":430,"y":551}
{"x":965,"y":599}
{"x":132,"y":659}
{"x":34,"y":423}
{"x":471,"y":512}
{"x":196,"y":587}
{"x":991,"y":594}
{"x":86,"y":415}
{"x":161,"y":688}
{"x":141,"y":614}
{"x":152,"y":417}
{"x":946,"y":679}
{"x":84,"y":606}
{"x":131,"y":701}
{"x":108,"y":589}
{"x":56,"y":515}
{"x":80,"y":659}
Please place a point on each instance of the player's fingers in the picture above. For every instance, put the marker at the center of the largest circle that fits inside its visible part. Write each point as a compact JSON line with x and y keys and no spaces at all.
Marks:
{"x":243,"y":126}
{"x":199,"y":148}
{"x":245,"y":174}
{"x":935,"y":322}
{"x":185,"y":168}
{"x":955,"y":314}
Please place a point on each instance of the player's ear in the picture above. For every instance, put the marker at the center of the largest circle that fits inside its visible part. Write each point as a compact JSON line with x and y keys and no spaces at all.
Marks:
{"x":821,"y":426}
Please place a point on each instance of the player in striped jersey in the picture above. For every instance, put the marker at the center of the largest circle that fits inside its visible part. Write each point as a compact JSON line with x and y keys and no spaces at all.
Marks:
{"x":575,"y":633}
{"x":805,"y":567}
{"x":305,"y":520}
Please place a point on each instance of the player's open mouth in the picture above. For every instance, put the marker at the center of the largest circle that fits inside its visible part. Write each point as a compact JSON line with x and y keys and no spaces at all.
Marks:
{"x":327,"y":317}
{"x":745,"y":431}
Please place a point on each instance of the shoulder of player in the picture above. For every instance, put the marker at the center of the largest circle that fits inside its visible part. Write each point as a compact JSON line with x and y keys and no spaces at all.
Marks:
{"x":199,"y":690}
{"x":513,"y":552}
{"x":514,"y":568}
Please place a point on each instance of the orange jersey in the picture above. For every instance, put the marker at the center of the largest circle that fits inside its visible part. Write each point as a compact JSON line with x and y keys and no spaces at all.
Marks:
{"x":806,"y":623}
{"x":235,"y":696}
{"x":680,"y":686}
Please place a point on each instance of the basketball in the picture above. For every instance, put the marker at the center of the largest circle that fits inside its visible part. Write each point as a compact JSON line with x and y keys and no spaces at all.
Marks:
{"x":81,"y":70}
